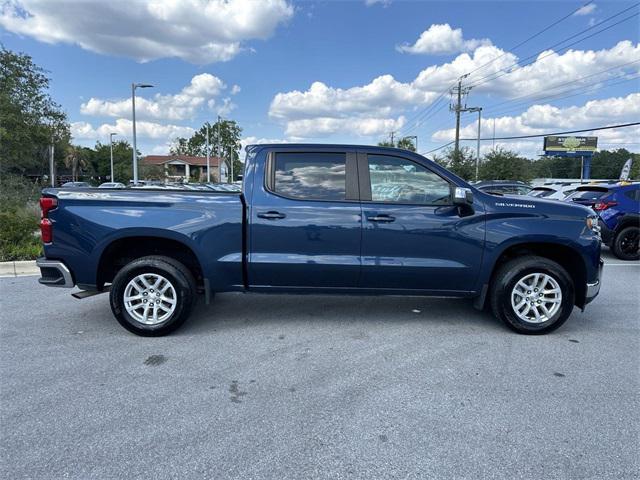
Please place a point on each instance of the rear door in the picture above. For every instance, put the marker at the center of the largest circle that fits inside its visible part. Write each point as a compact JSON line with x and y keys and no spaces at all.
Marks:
{"x":305,"y":220}
{"x":413,"y":237}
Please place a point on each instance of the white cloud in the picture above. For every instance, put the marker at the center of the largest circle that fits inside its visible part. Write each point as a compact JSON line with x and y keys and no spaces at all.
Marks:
{"x":359,"y":126}
{"x":198,"y":31}
{"x":440,"y":39}
{"x":323,"y":110}
{"x":253,"y":140}
{"x":586,"y":10}
{"x":380,"y":96}
{"x":226,"y":107}
{"x":235,"y":90}
{"x":181,"y":106}
{"x":123,"y":127}
{"x":539,"y":119}
{"x":384,"y":3}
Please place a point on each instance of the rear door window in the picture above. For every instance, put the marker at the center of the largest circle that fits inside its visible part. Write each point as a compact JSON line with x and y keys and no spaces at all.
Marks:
{"x":310,"y":176}
{"x":633,"y":194}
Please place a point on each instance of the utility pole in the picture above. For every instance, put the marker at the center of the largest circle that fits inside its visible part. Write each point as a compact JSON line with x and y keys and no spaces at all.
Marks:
{"x":459,"y":91}
{"x":392,"y":138}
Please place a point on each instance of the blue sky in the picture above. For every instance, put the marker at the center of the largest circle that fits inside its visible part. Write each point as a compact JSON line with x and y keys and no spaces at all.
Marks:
{"x":332,"y":71}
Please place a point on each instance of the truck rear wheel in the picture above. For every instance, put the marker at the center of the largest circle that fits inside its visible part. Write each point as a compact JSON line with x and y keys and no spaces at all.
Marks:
{"x":532,"y":295}
{"x":152,"y":296}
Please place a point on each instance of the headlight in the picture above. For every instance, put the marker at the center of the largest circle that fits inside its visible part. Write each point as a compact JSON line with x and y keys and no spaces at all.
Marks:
{"x":592,"y":223}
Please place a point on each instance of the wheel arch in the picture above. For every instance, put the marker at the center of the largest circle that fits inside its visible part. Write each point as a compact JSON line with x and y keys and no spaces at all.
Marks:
{"x":628,"y":220}
{"x":566,"y":256}
{"x":120,"y":251}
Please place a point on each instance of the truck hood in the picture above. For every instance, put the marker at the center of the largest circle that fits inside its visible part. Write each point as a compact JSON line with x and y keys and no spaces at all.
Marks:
{"x":533,"y":205}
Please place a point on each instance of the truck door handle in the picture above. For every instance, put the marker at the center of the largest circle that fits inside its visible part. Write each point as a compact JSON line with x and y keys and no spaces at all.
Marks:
{"x":382,"y":218}
{"x":271,"y":215}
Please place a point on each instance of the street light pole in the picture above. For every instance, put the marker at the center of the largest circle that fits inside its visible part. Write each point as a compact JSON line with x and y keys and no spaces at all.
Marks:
{"x":479,"y":110}
{"x":111,"y":146}
{"x":208,"y":159}
{"x":415,"y":138}
{"x":478,"y":144}
{"x":133,"y":117}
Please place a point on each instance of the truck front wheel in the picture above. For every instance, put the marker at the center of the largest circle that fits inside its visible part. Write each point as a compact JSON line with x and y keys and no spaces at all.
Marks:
{"x":152,"y":296}
{"x":532,"y":295}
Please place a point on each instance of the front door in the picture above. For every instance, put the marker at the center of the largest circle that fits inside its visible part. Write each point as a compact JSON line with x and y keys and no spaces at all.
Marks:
{"x":305,"y":221}
{"x":413,"y":237}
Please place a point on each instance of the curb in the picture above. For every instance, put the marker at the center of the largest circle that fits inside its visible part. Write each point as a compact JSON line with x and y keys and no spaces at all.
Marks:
{"x":18,"y":268}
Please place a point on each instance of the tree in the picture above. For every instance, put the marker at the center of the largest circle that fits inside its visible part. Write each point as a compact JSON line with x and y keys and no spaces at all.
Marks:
{"x":75,"y":160}
{"x":502,"y":164}
{"x":407,"y":143}
{"x":608,"y":164}
{"x":556,"y":167}
{"x":462,"y":164}
{"x":29,"y":118}
{"x":224,"y":140}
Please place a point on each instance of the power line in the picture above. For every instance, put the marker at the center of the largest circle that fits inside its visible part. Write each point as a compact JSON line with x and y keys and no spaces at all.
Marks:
{"x":559,"y":95}
{"x":426,"y":110}
{"x":519,"y":137}
{"x":535,"y":35}
{"x":622,"y":125}
{"x":582,"y":90}
{"x":570,"y":82}
{"x":505,"y":71}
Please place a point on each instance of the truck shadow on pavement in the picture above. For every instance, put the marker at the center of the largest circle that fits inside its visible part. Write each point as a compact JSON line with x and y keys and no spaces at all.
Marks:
{"x":236,"y":310}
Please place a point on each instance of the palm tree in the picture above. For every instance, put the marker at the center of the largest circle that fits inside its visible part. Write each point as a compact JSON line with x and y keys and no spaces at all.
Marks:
{"x":75,"y":160}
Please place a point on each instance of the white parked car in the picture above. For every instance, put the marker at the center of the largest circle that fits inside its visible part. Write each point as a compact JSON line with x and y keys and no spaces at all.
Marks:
{"x":554,"y":191}
{"x":112,"y":185}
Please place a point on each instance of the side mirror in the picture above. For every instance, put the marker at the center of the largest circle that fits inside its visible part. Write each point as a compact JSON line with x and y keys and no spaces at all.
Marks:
{"x":462,"y":196}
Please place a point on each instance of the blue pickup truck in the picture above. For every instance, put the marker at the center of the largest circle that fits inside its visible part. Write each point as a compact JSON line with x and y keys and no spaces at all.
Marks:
{"x":334,"y":219}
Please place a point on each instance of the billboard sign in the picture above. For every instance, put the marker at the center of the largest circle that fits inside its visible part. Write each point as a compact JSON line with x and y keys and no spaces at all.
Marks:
{"x":558,"y":145}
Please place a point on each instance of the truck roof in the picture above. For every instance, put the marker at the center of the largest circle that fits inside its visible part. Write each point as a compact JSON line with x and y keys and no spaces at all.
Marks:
{"x":306,"y":146}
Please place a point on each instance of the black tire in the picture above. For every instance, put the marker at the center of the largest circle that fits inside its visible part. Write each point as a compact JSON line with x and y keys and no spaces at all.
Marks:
{"x":505,"y":280}
{"x":175,"y":273}
{"x":626,"y":244}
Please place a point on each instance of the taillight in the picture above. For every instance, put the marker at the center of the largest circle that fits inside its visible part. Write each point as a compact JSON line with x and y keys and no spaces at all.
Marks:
{"x":600,"y":206}
{"x":46,"y":204}
{"x":46,"y":230}
{"x":46,"y":226}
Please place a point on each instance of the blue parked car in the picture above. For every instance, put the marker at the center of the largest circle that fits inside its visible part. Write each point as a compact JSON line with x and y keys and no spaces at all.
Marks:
{"x":618,"y":206}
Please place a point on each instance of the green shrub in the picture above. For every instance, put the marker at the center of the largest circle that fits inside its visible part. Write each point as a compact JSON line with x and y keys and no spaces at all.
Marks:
{"x":17,"y":191}
{"x":19,"y":239}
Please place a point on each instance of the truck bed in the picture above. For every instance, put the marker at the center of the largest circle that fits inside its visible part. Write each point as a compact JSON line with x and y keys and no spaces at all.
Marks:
{"x":207,"y":224}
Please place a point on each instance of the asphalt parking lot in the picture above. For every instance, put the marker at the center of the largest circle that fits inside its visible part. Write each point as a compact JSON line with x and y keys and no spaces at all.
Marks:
{"x":319,"y":387}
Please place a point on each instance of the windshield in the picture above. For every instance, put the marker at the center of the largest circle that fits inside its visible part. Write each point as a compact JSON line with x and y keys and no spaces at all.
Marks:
{"x":588,"y":194}
{"x":541,"y":192}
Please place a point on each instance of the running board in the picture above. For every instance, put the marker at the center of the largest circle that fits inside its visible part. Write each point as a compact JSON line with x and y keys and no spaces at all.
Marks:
{"x":89,"y":293}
